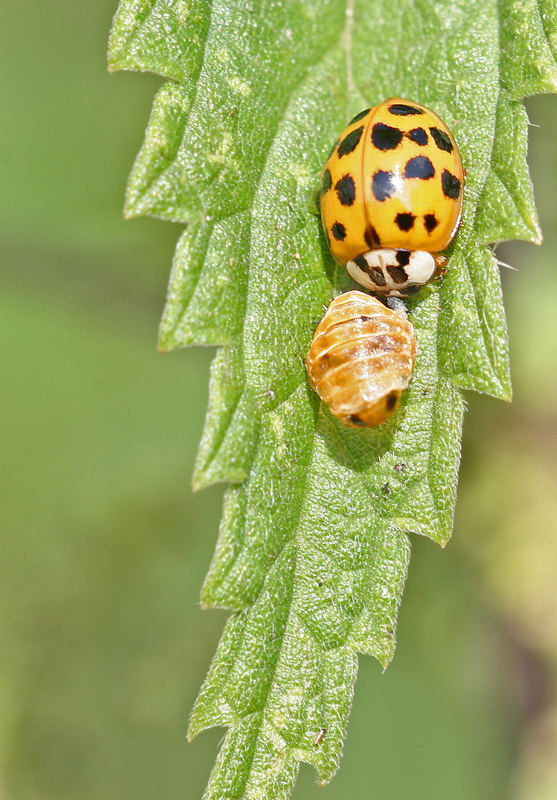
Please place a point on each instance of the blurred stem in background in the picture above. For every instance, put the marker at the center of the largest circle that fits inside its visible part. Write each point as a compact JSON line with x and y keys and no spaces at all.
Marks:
{"x":105,"y":547}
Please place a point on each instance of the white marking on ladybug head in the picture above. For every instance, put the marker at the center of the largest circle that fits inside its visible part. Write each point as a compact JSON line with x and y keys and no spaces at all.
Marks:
{"x":391,"y":271}
{"x":361,"y":276}
{"x":421,"y":267}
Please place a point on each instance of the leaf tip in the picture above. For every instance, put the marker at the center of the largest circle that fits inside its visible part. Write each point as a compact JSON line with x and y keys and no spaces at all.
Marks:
{"x":385,"y":661}
{"x":112,"y":65}
{"x":537,"y":233}
{"x":198,"y":482}
{"x":164,"y":345}
{"x":207,"y":601}
{"x":168,"y":341}
{"x":193,"y":729}
{"x":129,"y":212}
{"x":325,"y":773}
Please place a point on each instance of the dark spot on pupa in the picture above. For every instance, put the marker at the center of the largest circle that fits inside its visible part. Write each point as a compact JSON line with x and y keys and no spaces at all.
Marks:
{"x":339,"y":231}
{"x":384,"y":137}
{"x":350,"y":142}
{"x":382,"y":185}
{"x":359,"y":116}
{"x":430,"y":222}
{"x":405,"y":221}
{"x":450,"y":184}
{"x":346,"y":190}
{"x":403,"y":110}
{"x":356,"y":420}
{"x":418,"y":135}
{"x":391,"y":401}
{"x":403,"y":257}
{"x":361,"y":262}
{"x":326,"y":182}
{"x":441,"y":140}
{"x":371,"y":237}
{"x":397,"y":274}
{"x":419,"y":167}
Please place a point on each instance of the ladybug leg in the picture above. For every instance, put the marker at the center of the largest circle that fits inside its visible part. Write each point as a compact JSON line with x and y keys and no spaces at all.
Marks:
{"x":441,"y":262}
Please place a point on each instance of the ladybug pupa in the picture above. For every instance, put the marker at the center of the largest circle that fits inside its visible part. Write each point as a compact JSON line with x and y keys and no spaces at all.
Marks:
{"x":361,"y":358}
{"x":391,"y":196}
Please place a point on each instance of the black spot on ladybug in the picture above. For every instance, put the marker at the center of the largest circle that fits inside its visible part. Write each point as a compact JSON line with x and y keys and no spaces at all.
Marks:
{"x":450,"y":184}
{"x":346,"y":190}
{"x":361,"y":262}
{"x":356,"y":420}
{"x":405,"y":221}
{"x":377,"y":276}
{"x":403,"y":110}
{"x":441,"y":140}
{"x":430,"y":222}
{"x":339,"y":231}
{"x":419,"y":167}
{"x":360,"y":116}
{"x":326,"y":182}
{"x":384,"y":137}
{"x":350,"y":142}
{"x":383,"y":185}
{"x":391,"y":401}
{"x":418,"y":135}
{"x":371,"y":237}
{"x":397,"y":274}
{"x":403,"y":257}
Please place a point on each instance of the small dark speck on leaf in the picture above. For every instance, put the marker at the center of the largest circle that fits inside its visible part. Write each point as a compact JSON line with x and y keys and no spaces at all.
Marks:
{"x":320,"y":736}
{"x":386,"y":488}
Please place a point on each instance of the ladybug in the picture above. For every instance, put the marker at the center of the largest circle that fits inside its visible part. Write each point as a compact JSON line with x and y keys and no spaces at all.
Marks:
{"x":391,"y":196}
{"x":361,"y":358}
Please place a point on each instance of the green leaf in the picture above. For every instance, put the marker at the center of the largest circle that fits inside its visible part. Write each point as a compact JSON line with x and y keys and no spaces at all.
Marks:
{"x":313,"y":548}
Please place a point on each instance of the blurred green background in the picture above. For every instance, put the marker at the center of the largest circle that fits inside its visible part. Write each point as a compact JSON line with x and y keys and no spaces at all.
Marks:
{"x":104,"y":546}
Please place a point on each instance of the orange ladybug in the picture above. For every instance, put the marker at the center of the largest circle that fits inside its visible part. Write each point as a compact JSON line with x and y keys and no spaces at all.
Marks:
{"x":391,"y":196}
